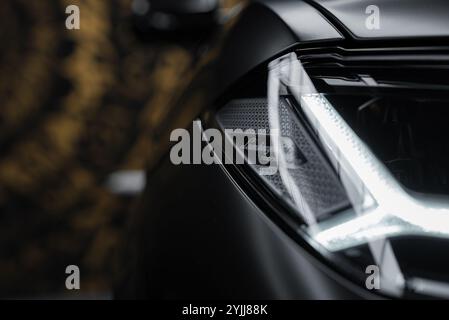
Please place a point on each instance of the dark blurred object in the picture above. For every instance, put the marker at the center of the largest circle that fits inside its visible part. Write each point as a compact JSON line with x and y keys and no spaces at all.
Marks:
{"x":174,"y":19}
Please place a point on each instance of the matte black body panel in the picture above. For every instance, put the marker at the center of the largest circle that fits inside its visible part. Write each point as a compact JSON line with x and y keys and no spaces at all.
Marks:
{"x":398,"y":18}
{"x":266,"y":29}
{"x":306,"y":22}
{"x":205,"y":239}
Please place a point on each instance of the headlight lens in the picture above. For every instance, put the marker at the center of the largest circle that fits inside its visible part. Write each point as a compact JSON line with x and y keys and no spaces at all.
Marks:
{"x":364,"y":162}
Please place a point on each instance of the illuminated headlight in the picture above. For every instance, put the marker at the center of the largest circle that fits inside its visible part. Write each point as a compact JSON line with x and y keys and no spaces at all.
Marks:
{"x":371,"y":180}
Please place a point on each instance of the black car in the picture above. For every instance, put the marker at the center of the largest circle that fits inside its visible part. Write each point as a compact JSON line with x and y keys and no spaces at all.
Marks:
{"x":349,"y":103}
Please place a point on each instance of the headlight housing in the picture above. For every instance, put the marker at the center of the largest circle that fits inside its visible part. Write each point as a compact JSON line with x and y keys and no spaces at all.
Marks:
{"x":362,"y":161}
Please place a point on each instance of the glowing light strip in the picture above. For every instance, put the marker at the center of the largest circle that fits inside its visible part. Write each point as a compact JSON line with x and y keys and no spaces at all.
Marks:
{"x":395,"y":212}
{"x":384,"y":209}
{"x":274,"y":86}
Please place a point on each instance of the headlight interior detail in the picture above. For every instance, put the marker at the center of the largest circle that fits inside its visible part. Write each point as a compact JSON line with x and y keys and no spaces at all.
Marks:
{"x":371,"y":146}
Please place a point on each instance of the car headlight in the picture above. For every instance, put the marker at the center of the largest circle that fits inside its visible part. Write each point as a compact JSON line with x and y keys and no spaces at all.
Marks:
{"x":362,"y":158}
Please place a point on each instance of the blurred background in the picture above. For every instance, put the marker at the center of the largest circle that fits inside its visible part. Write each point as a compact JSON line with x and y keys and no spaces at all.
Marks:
{"x":76,"y":106}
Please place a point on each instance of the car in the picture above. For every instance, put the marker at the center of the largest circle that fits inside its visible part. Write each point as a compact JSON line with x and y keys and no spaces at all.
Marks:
{"x":345,"y":104}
